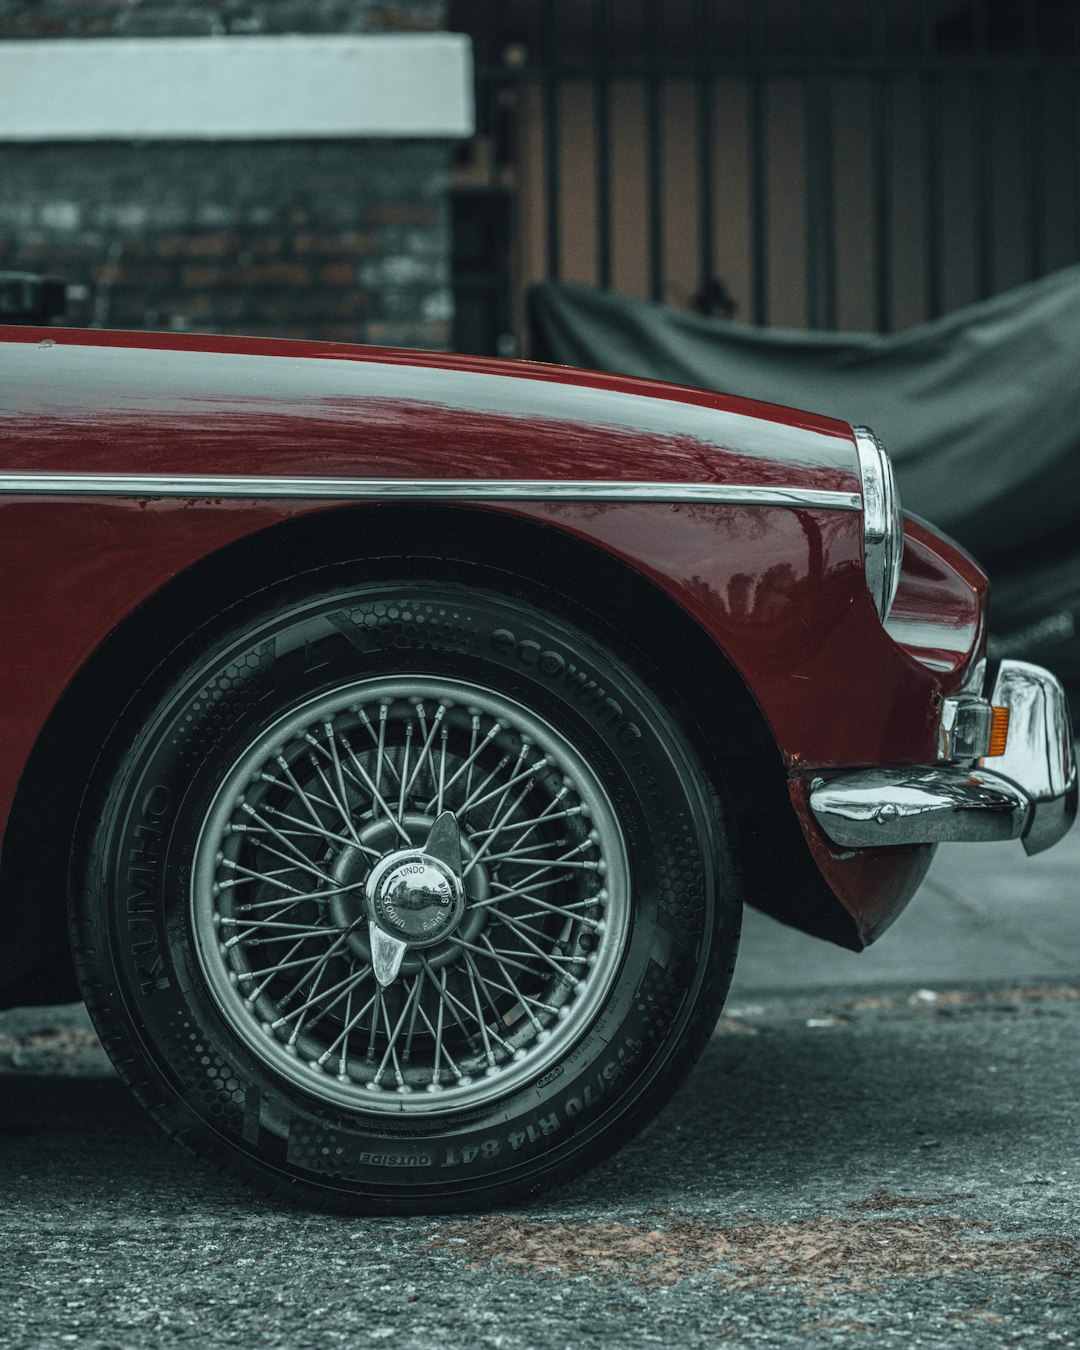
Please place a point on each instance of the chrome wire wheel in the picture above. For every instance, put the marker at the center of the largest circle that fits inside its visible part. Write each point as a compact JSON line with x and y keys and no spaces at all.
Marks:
{"x":410,"y":895}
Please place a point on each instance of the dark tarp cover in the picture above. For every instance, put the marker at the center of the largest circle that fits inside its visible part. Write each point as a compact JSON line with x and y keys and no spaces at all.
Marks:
{"x":980,"y":411}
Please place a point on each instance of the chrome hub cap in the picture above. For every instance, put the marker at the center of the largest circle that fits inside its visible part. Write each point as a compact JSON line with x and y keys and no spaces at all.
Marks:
{"x":414,"y":898}
{"x":354,"y":907}
{"x":410,"y":895}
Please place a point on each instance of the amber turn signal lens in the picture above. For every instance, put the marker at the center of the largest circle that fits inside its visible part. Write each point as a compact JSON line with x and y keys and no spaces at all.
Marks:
{"x":999,"y":731}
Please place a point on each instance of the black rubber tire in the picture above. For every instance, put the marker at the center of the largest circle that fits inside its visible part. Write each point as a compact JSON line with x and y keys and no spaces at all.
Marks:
{"x":132,"y":929}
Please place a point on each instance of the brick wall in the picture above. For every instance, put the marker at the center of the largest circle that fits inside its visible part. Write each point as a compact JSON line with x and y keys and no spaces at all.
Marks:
{"x":199,"y":18}
{"x":338,"y":240}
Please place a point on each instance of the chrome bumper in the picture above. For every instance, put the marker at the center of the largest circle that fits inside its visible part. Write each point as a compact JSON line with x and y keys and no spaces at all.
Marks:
{"x":1029,"y":794}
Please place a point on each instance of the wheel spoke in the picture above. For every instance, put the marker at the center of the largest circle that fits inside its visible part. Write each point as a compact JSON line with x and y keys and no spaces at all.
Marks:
{"x":331,"y":741}
{"x":563,"y":861}
{"x":366,"y":802}
{"x":377,"y":796}
{"x":510,"y":892}
{"x":344,"y":1057}
{"x":564,"y":911}
{"x":493,"y":831}
{"x":350,"y":981}
{"x":294,"y":1035}
{"x":376,"y":1008}
{"x":512,"y":958}
{"x":254,"y":925}
{"x":502,"y":791}
{"x":351,"y":1022}
{"x":425,"y":749}
{"x":489,"y":1053}
{"x":523,"y":754}
{"x":469,"y":802}
{"x":484,"y":982}
{"x":436,"y":1032}
{"x":340,"y":804}
{"x":279,"y":907}
{"x":306,"y":801}
{"x":475,"y":749}
{"x":382,"y":759}
{"x":335,"y":949}
{"x":548,"y":957}
{"x":250,"y":874}
{"x":441,"y":795}
{"x":519,"y":855}
{"x":297,"y":894}
{"x":524,"y":999}
{"x":338,"y":839}
{"x":290,"y":963}
{"x":542,"y":819}
{"x":295,"y":855}
{"x":404,"y":770}
{"x":406,"y":1054}
{"x":391,"y":1048}
{"x":280,"y":937}
{"x":518,"y":922}
{"x":452,"y":1003}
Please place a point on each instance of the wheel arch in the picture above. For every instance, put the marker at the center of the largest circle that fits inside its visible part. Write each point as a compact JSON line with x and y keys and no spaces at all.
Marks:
{"x":731,"y":731}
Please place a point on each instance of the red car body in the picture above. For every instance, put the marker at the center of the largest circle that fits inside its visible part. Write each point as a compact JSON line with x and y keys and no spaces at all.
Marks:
{"x":769,"y":631}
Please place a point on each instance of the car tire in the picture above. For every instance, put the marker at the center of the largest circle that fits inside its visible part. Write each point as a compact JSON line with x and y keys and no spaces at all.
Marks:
{"x":258,"y":848}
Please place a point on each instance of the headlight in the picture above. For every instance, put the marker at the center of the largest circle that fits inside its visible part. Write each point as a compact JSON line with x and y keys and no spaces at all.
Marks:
{"x":883,"y":521}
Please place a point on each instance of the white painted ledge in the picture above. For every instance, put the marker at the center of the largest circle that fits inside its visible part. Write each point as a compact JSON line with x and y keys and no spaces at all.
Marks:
{"x":237,"y":88}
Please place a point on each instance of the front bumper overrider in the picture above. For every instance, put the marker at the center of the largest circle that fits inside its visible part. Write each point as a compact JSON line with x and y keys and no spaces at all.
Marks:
{"x":1030,"y":793}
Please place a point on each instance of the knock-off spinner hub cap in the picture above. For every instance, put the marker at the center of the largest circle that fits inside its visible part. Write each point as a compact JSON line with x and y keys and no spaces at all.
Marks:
{"x":414,"y":897}
{"x":321,"y":875}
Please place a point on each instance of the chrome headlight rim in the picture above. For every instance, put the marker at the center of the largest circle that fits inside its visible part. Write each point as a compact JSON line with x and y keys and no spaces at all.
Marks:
{"x":883,"y":520}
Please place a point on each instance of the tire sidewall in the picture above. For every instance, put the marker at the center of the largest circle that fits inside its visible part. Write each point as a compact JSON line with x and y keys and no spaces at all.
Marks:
{"x":282,"y":652}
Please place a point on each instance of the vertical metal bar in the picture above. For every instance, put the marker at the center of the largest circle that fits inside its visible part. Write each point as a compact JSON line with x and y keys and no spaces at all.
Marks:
{"x":654,"y":155}
{"x":929,"y":99}
{"x":602,"y":115}
{"x":825,"y":184}
{"x":706,"y":218}
{"x":551,"y":136}
{"x":504,"y":102}
{"x":828,"y":218}
{"x":756,"y":17}
{"x":983,"y":165}
{"x":818,"y":168}
{"x":881,"y":121}
{"x":811,"y":80}
{"x":821,"y":238}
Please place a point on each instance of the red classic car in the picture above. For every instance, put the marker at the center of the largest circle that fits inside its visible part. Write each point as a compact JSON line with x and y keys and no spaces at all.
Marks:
{"x":391,"y":739}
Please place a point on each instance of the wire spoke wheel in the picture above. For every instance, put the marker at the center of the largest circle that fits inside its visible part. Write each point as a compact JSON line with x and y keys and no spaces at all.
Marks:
{"x":410,"y":895}
{"x":404,"y":895}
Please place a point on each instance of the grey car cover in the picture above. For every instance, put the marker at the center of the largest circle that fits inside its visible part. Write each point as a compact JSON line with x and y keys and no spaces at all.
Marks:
{"x":980,"y":411}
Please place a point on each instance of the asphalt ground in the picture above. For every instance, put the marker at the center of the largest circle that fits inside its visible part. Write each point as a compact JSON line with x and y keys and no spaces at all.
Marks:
{"x":875,"y":1150}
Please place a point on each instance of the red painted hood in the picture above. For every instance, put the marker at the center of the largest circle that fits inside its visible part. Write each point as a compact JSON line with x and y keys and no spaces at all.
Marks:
{"x":80,"y":400}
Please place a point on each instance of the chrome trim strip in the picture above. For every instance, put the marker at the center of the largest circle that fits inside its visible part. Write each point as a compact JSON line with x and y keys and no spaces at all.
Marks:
{"x":876,"y":485}
{"x":418,"y":489}
{"x":883,"y":520}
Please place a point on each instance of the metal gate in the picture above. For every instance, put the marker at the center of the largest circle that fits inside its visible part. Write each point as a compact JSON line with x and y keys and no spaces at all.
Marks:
{"x":801,"y":163}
